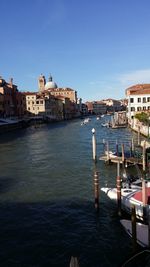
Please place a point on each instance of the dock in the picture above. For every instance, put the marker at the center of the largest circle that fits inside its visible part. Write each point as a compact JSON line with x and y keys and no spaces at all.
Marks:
{"x":115,"y":159}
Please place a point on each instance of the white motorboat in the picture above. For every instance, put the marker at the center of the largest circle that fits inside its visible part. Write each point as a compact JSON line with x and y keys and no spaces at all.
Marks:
{"x":129,"y":197}
{"x":105,"y":124}
{"x":137,"y":183}
{"x":85,"y":121}
{"x":141,"y":232}
{"x":111,"y":154}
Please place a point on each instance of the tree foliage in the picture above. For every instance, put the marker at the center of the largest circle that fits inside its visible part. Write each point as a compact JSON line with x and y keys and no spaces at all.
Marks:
{"x":143,"y":117}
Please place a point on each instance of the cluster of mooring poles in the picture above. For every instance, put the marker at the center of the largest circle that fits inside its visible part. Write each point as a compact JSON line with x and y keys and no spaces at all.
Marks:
{"x":74,"y":260}
{"x":118,"y":185}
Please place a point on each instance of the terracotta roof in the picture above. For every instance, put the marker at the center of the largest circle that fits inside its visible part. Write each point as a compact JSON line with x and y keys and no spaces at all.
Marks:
{"x":140,"y":92}
{"x":138,"y":89}
{"x":139,"y":86}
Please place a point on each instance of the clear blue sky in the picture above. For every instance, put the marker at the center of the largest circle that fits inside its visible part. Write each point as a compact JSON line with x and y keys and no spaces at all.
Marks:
{"x":97,"y":47}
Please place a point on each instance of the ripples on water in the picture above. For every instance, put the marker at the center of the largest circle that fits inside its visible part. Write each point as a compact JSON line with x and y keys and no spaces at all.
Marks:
{"x":46,"y":198}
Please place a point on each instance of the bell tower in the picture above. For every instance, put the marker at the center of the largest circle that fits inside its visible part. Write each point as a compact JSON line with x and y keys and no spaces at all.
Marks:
{"x":41,"y":83}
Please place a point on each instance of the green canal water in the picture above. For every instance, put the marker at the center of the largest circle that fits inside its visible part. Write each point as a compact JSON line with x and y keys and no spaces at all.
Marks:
{"x":47,"y":198}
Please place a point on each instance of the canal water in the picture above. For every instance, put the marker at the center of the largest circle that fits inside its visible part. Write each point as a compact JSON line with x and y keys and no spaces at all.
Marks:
{"x":47,"y":198}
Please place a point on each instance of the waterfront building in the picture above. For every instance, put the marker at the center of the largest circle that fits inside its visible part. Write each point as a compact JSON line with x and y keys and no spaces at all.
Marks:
{"x":52,"y":87}
{"x":44,"y":105}
{"x":84,"y":109}
{"x":96,"y":107}
{"x":113,"y":105}
{"x":1,"y":104}
{"x":12,"y":101}
{"x":68,"y":96}
{"x":50,"y":101}
{"x":138,"y":97}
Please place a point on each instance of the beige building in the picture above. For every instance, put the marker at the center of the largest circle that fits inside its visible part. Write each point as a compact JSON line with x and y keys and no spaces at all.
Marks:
{"x":44,"y":104}
{"x":112,"y":102}
{"x":52,"y":87}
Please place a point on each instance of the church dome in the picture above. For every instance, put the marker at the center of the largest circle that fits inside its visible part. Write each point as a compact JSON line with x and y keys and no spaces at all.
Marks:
{"x":50,"y":84}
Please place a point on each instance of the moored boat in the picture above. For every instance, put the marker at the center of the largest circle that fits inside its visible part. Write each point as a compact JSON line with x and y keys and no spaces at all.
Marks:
{"x":141,"y":232}
{"x":129,"y":197}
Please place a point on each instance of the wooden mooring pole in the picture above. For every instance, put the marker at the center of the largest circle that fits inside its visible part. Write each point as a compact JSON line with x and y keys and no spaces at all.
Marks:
{"x":138,"y":135}
{"x":94,"y":145}
{"x":117,"y":151}
{"x":144,"y":156}
{"x":149,"y":228}
{"x":144,"y":200}
{"x":118,"y":188}
{"x":108,"y":155}
{"x":133,"y":221}
{"x":123,"y":157}
{"x":96,"y":190}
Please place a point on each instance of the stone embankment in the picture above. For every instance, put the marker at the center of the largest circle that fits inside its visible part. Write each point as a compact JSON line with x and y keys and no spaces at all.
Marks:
{"x":139,"y":127}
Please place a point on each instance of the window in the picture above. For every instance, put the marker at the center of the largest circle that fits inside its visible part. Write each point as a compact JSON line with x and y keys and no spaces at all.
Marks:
{"x":133,"y":109}
{"x":139,"y":100}
{"x":144,"y":99}
{"x":148,"y":99}
{"x":37,"y":102}
{"x":138,"y":108}
{"x":41,"y":101}
{"x":131,"y":100}
{"x":144,"y":108}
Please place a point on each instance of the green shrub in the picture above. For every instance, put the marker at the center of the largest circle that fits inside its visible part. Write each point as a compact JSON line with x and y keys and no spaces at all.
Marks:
{"x":143,"y":117}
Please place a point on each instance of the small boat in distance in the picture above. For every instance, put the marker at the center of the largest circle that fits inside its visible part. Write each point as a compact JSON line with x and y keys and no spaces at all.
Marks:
{"x":105,"y":124}
{"x":85,"y":121}
{"x":110,"y":154}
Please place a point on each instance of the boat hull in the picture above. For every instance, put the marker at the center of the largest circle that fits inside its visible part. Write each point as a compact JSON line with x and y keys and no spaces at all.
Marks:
{"x":141,"y":232}
{"x":128,"y":199}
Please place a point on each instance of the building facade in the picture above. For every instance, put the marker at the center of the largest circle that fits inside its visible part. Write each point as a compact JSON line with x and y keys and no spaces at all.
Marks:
{"x":52,"y":87}
{"x":96,"y":107}
{"x":12,"y":102}
{"x":44,"y":105}
{"x":51,"y":101}
{"x":138,"y":97}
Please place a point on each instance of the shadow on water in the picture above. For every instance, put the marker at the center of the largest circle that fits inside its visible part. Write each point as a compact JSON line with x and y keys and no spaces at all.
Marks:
{"x":6,"y":183}
{"x":49,"y":233}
